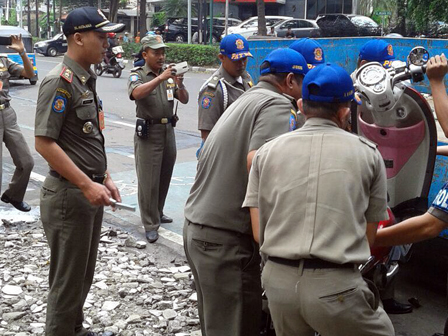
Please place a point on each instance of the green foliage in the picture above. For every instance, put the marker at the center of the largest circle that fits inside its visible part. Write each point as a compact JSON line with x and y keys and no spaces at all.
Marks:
{"x":12,"y":18}
{"x":178,"y":8}
{"x":195,"y":55}
{"x":158,"y":19}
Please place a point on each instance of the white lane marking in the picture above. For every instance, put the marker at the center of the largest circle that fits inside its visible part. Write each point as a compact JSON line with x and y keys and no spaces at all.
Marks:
{"x":172,"y":236}
{"x":37,"y":177}
{"x":122,"y":123}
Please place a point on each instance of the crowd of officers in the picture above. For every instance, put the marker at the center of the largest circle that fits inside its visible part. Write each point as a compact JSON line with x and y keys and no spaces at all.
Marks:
{"x":309,"y":200}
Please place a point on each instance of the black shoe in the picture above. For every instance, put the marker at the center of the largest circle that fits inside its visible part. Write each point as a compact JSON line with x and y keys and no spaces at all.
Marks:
{"x":19,"y":205}
{"x":165,"y":219}
{"x":391,"y":306}
{"x":152,"y":236}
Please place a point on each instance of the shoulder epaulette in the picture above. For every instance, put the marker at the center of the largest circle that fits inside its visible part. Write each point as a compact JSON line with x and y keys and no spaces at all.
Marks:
{"x":213,"y":82}
{"x":136,"y":68}
{"x":368,"y":142}
{"x":67,"y":74}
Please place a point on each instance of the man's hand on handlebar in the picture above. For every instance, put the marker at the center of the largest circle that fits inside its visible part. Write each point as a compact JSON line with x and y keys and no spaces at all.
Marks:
{"x":437,"y":68}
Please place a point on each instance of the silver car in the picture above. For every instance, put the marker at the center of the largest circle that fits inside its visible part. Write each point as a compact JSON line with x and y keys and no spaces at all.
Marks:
{"x":299,"y":27}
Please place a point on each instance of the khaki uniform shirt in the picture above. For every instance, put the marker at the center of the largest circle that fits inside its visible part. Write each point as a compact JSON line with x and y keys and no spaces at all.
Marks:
{"x":70,"y":112}
{"x":218,"y":191}
{"x":157,"y":104}
{"x":316,"y":189}
{"x":217,"y":94}
{"x":8,"y":68}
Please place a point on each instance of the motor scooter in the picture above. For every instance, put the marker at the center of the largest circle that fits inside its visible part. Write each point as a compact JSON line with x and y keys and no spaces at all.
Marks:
{"x":399,"y":120}
{"x":116,"y":63}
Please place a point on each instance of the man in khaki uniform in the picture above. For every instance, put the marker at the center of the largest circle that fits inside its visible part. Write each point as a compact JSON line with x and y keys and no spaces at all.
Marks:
{"x":217,"y":236}
{"x":69,"y":124}
{"x":316,"y":196}
{"x":229,"y":82}
{"x":153,"y":89}
{"x":9,"y":130}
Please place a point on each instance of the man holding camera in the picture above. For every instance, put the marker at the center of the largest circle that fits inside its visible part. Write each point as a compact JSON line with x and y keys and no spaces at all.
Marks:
{"x":154,"y":88}
{"x":9,"y":130}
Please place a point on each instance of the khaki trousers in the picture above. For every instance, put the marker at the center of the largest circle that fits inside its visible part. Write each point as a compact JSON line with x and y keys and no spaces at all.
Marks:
{"x":12,"y":136}
{"x":73,"y":227}
{"x":154,"y":160}
{"x":333,"y":302}
{"x":226,"y":270}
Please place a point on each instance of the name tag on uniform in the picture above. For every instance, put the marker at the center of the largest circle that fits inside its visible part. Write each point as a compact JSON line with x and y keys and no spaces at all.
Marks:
{"x":441,"y":200}
{"x":170,"y":94}
{"x":101,"y":120}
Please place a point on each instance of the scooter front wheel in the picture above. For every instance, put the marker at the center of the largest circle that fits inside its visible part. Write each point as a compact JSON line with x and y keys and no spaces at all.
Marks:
{"x":117,"y":72}
{"x":98,"y":69}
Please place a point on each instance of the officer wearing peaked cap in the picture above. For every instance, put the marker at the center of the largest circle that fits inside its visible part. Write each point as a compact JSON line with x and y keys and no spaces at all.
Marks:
{"x":314,"y":245}
{"x":229,"y":82}
{"x":217,"y":235}
{"x":68,"y":134}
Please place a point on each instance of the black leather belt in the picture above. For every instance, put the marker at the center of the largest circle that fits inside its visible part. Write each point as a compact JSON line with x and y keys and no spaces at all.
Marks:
{"x":4,"y":105}
{"x":159,"y":121}
{"x":98,"y":178}
{"x":310,"y":263}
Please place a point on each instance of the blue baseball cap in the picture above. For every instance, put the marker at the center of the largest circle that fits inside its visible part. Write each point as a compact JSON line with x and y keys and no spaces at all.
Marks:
{"x":235,"y":47}
{"x":377,"y":51}
{"x":328,"y":83}
{"x":311,"y":50}
{"x":284,"y":60}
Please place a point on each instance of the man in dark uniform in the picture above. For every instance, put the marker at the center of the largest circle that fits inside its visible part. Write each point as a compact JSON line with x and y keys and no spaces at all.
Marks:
{"x":217,"y":236}
{"x":69,"y":124}
{"x":154,"y":88}
{"x":9,"y":130}
{"x":229,"y":82}
{"x":316,"y":212}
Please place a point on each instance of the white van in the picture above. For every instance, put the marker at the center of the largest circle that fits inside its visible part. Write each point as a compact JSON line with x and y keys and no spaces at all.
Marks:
{"x":250,"y":26}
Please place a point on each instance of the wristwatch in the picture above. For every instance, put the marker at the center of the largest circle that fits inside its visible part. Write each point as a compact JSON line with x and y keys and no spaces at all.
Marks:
{"x":23,"y":53}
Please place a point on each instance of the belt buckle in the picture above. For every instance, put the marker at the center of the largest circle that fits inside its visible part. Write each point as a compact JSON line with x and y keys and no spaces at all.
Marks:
{"x":2,"y":106}
{"x":164,"y":121}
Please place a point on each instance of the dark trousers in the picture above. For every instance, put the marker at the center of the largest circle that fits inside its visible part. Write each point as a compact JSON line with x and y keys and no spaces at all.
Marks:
{"x":12,"y":136}
{"x":226,"y":270}
{"x":154,"y":160}
{"x":73,"y":227}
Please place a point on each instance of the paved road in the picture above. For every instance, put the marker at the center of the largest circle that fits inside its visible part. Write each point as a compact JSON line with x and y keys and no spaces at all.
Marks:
{"x":428,"y":284}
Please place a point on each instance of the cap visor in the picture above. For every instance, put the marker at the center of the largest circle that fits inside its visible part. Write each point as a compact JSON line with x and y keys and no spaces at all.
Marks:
{"x":239,"y":55}
{"x":155,"y":46}
{"x":111,"y":28}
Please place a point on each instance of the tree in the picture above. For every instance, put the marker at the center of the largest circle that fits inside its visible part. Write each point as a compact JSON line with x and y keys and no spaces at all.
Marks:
{"x":142,"y":25}
{"x":176,"y":8}
{"x":113,"y":10}
{"x":262,"y":31}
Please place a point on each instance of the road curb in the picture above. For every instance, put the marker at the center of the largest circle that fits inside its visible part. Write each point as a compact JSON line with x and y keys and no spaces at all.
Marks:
{"x":202,"y":69}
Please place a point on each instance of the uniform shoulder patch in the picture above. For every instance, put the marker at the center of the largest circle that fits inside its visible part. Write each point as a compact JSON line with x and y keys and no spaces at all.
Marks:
{"x":67,"y":74}
{"x":368,"y":142}
{"x":206,"y":102}
{"x":64,"y":92}
{"x":134,"y":77}
{"x":59,"y":104}
{"x":213,"y":83}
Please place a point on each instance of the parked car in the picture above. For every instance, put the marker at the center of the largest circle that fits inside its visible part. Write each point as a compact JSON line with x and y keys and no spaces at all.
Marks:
{"x":300,"y":28}
{"x":176,"y":29}
{"x":250,"y":26}
{"x":56,"y":45}
{"x":336,"y":25}
{"x":219,"y":26}
{"x":7,"y":31}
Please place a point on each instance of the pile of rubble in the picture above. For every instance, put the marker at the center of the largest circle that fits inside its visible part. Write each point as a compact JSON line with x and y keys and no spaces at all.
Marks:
{"x":132,"y":293}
